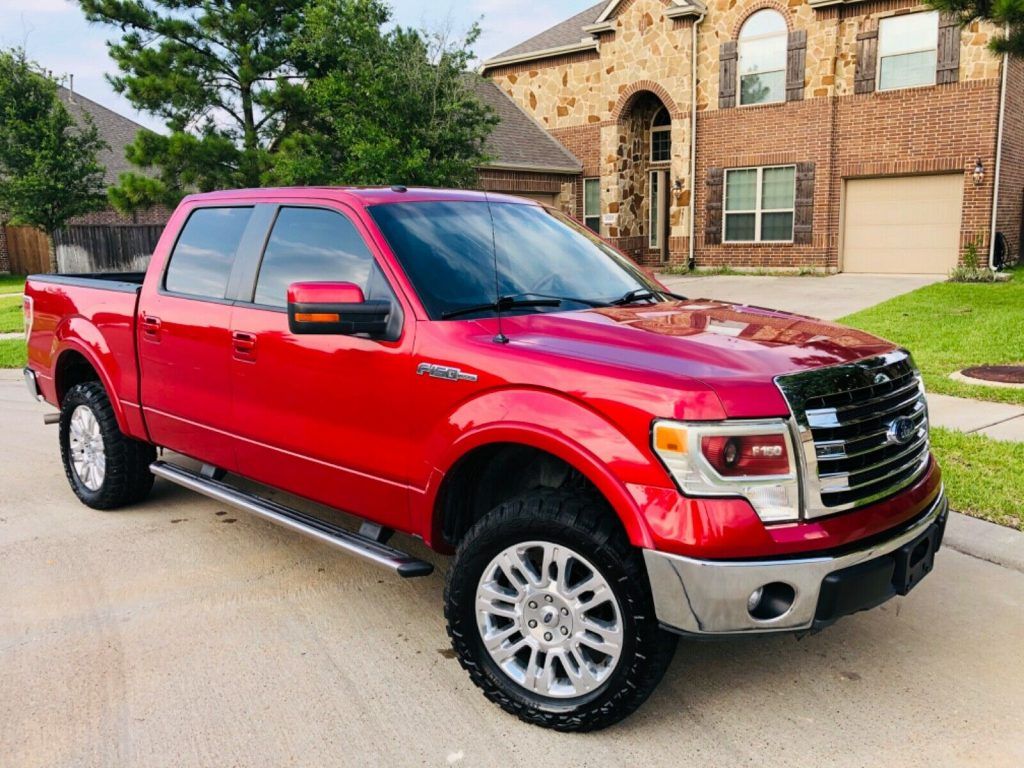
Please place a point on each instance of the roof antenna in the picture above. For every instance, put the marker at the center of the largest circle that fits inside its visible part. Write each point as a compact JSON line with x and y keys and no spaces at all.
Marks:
{"x":501,"y":338}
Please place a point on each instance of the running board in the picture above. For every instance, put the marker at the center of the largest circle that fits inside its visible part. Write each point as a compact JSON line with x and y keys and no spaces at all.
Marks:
{"x":403,"y":564}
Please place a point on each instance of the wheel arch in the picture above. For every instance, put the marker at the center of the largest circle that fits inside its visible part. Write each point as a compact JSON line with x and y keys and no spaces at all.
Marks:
{"x":76,"y":363}
{"x":513,"y":456}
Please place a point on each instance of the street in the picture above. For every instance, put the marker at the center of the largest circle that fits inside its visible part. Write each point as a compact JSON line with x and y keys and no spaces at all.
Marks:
{"x":183,"y":633}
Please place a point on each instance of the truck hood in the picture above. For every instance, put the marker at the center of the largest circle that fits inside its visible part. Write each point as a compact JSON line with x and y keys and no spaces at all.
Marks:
{"x":734,"y":349}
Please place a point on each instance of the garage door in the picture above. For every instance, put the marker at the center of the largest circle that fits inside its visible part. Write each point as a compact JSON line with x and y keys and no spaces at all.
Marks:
{"x":905,"y":224}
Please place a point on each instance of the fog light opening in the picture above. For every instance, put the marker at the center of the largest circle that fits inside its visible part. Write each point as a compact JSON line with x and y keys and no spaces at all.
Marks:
{"x":770,"y":601}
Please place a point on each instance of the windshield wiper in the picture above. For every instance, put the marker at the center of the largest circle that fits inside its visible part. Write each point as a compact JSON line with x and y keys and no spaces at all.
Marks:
{"x":576,"y":299}
{"x":504,"y":304}
{"x":643,"y":294}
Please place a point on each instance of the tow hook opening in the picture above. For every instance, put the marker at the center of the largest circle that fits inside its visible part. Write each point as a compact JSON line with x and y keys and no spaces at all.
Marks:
{"x":771,"y":601}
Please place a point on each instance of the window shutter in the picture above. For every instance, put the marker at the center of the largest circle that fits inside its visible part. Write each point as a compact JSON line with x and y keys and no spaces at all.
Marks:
{"x":727,"y":75}
{"x":795,"y":65}
{"x":803,"y":215}
{"x":948,"y":67}
{"x":867,"y":59}
{"x":713,"y":207}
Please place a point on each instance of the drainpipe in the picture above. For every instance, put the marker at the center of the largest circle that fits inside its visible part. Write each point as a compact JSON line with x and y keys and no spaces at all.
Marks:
{"x":692,"y":261}
{"x":999,"y":158}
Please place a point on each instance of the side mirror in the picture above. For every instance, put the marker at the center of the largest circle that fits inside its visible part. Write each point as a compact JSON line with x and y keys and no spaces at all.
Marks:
{"x":338,"y":309}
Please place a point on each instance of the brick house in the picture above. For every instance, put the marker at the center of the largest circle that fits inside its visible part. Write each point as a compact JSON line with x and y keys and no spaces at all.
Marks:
{"x":830,"y":134}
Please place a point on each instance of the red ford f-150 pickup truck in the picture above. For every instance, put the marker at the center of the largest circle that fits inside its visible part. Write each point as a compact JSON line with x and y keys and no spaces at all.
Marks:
{"x":610,"y":464}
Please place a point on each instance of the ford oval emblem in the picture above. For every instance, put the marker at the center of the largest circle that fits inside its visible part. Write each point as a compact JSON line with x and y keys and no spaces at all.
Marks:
{"x":901,"y":431}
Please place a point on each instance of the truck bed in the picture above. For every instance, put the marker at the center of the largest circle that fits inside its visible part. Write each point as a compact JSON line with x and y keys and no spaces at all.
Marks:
{"x":129,"y":282}
{"x":92,"y":317}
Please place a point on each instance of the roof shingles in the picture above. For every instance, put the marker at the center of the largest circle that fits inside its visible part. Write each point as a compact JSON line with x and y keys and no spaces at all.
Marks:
{"x":117,"y":130}
{"x":568,"y":32}
{"x":518,"y":141}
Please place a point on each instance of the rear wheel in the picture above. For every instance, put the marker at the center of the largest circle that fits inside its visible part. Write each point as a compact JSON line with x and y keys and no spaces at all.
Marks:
{"x":549,"y":611}
{"x":105,"y":467}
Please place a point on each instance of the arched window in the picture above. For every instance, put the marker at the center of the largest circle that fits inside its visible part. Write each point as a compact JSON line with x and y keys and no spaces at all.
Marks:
{"x":762,"y":64}
{"x":661,"y":137}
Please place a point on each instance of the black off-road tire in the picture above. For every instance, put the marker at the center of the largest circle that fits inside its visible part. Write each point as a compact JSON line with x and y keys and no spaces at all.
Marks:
{"x":587,"y":526}
{"x":127,"y":479}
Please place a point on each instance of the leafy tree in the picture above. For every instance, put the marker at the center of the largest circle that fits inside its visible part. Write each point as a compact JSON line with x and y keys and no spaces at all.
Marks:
{"x":1008,"y":14}
{"x":219,"y":73}
{"x":387,"y":105}
{"x":49,"y":172}
{"x":289,"y":91}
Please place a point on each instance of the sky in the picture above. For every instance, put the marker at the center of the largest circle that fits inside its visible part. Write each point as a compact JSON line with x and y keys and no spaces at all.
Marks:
{"x":56,"y":35}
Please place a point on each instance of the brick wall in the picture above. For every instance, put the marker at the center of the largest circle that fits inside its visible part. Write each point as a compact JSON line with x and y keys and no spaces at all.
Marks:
{"x":566,"y":187}
{"x":775,"y":134}
{"x":925,"y":130}
{"x":157,"y":215}
{"x":5,"y":263}
{"x":1010,"y":217}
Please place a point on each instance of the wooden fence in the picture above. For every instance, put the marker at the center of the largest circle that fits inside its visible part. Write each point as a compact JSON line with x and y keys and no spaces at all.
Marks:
{"x":28,"y":250}
{"x":106,"y":248}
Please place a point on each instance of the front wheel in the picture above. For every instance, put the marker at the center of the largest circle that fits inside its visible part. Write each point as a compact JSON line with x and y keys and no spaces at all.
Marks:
{"x":549,"y":611}
{"x":105,"y":467}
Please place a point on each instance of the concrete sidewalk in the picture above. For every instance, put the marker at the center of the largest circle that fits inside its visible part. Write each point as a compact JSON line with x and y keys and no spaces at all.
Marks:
{"x":999,"y":421}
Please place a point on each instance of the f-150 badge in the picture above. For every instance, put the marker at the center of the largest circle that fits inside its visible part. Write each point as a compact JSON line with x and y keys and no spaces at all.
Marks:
{"x":444,"y":372}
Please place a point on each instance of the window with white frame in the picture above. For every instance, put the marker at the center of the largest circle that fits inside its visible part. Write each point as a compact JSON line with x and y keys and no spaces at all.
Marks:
{"x":907,"y":50}
{"x":762,"y":58}
{"x":759,"y":204}
{"x":661,"y":137}
{"x":592,"y":204}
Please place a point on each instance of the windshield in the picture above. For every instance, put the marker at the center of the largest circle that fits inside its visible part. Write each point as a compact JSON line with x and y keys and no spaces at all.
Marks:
{"x":449,"y":251}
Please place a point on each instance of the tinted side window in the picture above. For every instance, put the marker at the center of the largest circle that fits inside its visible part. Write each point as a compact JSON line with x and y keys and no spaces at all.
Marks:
{"x":312,"y":245}
{"x":205,"y":252}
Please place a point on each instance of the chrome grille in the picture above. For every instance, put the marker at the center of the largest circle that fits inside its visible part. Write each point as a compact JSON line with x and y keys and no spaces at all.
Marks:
{"x":862,"y":428}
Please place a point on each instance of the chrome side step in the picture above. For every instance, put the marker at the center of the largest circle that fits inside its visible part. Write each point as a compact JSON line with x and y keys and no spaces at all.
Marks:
{"x":403,"y":564}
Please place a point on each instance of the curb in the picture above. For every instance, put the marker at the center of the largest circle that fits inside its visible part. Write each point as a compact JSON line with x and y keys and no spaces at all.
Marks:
{"x":986,"y":541}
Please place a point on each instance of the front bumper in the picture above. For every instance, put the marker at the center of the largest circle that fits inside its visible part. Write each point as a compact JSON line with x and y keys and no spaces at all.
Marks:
{"x":709,"y":597}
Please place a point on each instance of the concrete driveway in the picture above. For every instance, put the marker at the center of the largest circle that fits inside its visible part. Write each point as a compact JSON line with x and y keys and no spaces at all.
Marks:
{"x":179,"y":633}
{"x":829,"y":297}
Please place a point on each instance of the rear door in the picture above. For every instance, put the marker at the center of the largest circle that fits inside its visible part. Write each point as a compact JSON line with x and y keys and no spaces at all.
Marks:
{"x":184,"y":335}
{"x":323,"y":417}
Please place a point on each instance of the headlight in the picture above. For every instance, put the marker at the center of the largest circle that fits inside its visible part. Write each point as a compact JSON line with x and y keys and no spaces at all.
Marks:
{"x":752,"y":459}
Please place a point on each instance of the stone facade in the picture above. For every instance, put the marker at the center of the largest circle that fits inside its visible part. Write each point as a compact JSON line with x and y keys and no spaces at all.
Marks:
{"x":596,"y":101}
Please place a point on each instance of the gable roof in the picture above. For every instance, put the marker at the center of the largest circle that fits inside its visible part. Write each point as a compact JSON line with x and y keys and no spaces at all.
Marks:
{"x":518,"y":142}
{"x":117,"y":130}
{"x":566,"y":33}
{"x":579,"y":33}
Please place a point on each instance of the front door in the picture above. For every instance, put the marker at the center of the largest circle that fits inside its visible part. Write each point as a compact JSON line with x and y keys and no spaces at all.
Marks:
{"x":323,"y":417}
{"x":659,"y":225}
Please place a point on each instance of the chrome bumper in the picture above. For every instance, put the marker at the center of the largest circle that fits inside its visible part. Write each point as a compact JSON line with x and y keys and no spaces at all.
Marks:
{"x":709,"y":597}
{"x":33,"y":384}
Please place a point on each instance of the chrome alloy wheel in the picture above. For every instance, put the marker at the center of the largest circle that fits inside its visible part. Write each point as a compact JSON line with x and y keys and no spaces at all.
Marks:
{"x":549,"y":619}
{"x":85,"y":440}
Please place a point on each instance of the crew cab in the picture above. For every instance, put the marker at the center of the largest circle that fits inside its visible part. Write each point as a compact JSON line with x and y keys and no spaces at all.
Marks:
{"x":610,"y":465}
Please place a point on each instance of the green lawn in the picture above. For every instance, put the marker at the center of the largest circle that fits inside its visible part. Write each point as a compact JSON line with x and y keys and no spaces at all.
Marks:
{"x":12,"y":353}
{"x":12,"y":283}
{"x":11,"y":318}
{"x":982,"y":476}
{"x":950,"y":326}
